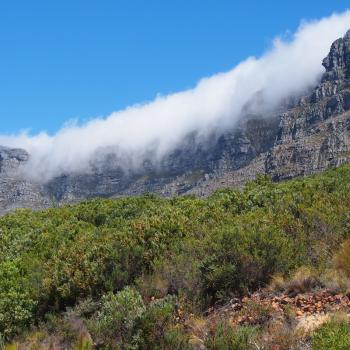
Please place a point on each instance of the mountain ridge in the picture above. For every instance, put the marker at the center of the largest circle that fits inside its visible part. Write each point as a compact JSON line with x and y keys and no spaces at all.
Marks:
{"x":311,"y":135}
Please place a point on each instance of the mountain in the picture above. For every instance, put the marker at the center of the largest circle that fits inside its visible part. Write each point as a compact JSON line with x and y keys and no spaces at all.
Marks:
{"x":300,"y":138}
{"x":15,"y":190}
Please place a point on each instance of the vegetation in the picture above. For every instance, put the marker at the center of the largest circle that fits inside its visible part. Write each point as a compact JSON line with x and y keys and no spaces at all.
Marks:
{"x":226,"y":337}
{"x":334,"y":335}
{"x":126,"y":273}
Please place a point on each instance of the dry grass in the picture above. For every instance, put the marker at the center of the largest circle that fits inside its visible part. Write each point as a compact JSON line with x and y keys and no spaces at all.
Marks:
{"x":278,"y":335}
{"x":277,"y":283}
{"x":308,"y":324}
{"x":336,"y":281}
{"x":198,"y":327}
{"x":303,"y":280}
{"x":342,"y":258}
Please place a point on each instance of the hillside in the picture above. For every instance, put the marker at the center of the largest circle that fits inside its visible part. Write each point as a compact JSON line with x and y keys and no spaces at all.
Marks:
{"x":154,"y":273}
{"x":303,"y":136}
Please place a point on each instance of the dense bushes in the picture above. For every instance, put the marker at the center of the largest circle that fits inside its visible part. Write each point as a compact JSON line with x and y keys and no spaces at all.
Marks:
{"x":200,"y":251}
{"x":244,"y":257}
{"x":16,"y":303}
{"x":334,"y":335}
{"x":123,"y":321}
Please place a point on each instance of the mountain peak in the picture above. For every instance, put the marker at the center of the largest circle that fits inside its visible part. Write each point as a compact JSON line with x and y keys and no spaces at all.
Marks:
{"x":337,"y":63}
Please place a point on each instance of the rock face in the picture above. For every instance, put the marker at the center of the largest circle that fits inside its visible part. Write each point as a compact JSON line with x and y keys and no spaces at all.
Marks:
{"x":178,"y":173}
{"x":15,"y":190}
{"x":10,"y":159}
{"x":309,"y":137}
{"x":315,"y":135}
{"x":312,"y":136}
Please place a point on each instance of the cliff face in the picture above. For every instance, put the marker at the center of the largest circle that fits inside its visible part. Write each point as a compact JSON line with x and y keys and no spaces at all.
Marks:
{"x":15,"y":190}
{"x":181,"y":171}
{"x":310,"y":137}
{"x":316,"y":134}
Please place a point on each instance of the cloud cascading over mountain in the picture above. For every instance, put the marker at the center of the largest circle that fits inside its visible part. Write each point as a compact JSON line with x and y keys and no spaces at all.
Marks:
{"x":287,"y":69}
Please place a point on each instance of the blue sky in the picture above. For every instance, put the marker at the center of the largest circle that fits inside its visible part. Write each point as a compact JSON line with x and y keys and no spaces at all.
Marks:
{"x":68,"y":59}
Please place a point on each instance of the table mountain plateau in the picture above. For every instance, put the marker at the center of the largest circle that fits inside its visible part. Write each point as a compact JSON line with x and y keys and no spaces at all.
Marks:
{"x":300,"y":138}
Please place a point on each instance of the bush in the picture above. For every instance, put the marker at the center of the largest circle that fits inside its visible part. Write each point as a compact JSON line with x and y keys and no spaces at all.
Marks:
{"x":176,"y":339}
{"x":114,"y":323}
{"x":16,"y":304}
{"x":154,"y":322}
{"x":244,"y":257}
{"x":123,"y":321}
{"x":333,"y":335}
{"x":226,"y":337}
{"x":88,"y":266}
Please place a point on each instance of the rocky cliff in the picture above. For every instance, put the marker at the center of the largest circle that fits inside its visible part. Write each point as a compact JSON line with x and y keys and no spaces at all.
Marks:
{"x":311,"y":136}
{"x":15,"y":190}
{"x":316,"y":134}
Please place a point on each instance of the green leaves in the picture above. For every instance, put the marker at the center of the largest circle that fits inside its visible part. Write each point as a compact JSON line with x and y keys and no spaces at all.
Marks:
{"x":16,"y":303}
{"x":115,"y":322}
{"x":333,"y":335}
{"x":244,"y":256}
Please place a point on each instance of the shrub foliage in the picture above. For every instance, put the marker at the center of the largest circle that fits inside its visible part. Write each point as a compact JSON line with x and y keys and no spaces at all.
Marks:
{"x":119,"y":253}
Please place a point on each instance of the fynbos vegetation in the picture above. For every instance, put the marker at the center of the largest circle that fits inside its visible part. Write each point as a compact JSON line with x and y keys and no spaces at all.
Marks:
{"x":148,"y":272}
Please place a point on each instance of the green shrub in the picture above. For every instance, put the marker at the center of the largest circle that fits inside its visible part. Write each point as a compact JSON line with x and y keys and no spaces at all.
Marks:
{"x":332,"y":335}
{"x":227,"y":337}
{"x":155,"y":322}
{"x":16,"y":304}
{"x":114,"y":323}
{"x":176,"y":339}
{"x":244,"y":257}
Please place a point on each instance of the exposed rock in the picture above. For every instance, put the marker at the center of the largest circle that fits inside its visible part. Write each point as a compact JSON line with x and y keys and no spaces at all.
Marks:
{"x":243,"y":312}
{"x":15,"y":190}
{"x":11,"y":159}
{"x":316,"y":134}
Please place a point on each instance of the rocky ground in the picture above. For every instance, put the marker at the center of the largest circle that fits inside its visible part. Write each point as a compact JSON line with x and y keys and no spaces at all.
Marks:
{"x":289,"y":321}
{"x":245,"y":311}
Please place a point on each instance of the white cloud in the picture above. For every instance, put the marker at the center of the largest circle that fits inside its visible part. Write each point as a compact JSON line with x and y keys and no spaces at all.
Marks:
{"x":288,"y":68}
